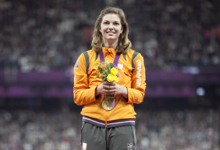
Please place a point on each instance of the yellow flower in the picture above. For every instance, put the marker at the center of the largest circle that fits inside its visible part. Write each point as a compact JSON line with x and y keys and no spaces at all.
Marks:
{"x":110,"y":78}
{"x":116,"y":78}
{"x":114,"y":71}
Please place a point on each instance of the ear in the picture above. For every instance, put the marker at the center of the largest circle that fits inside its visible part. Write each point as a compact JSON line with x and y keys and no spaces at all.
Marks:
{"x":121,"y":30}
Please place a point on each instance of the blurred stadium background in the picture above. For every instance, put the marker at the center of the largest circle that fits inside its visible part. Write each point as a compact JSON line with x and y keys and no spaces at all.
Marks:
{"x":41,"y":40}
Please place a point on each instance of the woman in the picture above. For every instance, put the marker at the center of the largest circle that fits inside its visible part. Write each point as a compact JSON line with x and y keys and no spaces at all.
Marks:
{"x":103,"y":128}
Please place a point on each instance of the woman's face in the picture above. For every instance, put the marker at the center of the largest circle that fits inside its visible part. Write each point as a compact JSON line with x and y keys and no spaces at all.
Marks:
{"x":111,"y":27}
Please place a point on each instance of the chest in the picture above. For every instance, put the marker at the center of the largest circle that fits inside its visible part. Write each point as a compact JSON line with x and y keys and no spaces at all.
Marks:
{"x":124,"y":67}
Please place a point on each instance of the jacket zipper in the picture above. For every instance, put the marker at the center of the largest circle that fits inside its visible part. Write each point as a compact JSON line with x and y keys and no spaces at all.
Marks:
{"x":106,"y":118}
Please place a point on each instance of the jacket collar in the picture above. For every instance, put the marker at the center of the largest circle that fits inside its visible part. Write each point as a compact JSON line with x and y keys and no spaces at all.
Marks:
{"x":107,"y":51}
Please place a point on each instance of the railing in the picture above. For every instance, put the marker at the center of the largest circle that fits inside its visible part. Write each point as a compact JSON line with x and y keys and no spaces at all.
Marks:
{"x":60,"y":84}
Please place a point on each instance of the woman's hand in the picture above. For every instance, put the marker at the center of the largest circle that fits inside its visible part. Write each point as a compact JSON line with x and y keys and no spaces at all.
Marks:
{"x":111,"y":88}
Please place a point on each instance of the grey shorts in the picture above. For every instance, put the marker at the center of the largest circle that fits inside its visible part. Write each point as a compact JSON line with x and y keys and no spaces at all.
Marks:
{"x":101,"y":138}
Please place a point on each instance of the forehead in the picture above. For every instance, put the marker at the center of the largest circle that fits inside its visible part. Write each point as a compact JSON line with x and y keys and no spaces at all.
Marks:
{"x":111,"y":17}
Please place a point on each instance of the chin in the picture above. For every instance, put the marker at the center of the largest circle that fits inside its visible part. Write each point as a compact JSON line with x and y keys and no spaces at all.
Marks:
{"x":111,"y":38}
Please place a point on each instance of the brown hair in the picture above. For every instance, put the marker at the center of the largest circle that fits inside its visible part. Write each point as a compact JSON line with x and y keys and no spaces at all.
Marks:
{"x":124,"y":43}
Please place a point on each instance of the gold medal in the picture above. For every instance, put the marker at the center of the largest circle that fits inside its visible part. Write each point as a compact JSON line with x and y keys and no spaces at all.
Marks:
{"x":107,"y":103}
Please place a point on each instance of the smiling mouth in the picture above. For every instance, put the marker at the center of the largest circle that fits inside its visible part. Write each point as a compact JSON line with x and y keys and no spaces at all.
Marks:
{"x":110,"y":33}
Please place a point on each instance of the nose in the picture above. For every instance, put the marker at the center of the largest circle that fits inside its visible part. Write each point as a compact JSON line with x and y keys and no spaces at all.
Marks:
{"x":110,"y":26}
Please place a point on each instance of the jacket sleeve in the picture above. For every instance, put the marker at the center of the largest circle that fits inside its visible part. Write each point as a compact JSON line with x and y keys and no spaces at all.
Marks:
{"x":138,"y":84}
{"x":82,"y":93}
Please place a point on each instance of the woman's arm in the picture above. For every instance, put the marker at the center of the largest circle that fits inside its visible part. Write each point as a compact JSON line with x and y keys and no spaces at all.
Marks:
{"x":81,"y":91}
{"x":138,"y":81}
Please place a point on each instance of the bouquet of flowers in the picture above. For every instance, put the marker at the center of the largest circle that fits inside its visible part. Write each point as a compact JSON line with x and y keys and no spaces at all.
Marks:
{"x":108,"y":72}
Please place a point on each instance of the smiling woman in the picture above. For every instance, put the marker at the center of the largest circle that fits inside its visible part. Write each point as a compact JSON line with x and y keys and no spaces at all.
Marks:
{"x":110,"y":14}
{"x":111,"y":29}
{"x":109,"y":124}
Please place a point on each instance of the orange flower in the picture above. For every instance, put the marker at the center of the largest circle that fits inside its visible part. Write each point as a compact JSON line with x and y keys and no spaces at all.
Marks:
{"x":100,"y":75}
{"x":103,"y":66}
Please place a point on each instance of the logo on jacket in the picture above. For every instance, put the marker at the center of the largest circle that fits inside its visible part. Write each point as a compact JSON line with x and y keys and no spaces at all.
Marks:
{"x":138,"y":72}
{"x":130,"y":146}
{"x":77,"y":64}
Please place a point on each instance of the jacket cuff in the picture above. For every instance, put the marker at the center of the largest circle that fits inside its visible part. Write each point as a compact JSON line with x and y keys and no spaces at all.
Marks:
{"x":130,"y":95}
{"x":96,"y":97}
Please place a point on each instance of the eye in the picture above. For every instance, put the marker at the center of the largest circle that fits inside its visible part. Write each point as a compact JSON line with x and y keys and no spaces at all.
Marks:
{"x":106,"y":22}
{"x":116,"y":23}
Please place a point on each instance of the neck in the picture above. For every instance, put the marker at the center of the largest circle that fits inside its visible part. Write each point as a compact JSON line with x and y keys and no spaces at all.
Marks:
{"x":110,"y":43}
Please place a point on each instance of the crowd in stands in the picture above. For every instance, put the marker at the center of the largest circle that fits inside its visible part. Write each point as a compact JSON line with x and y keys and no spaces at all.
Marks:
{"x":178,"y":130}
{"x":156,"y":130}
{"x":46,"y":35}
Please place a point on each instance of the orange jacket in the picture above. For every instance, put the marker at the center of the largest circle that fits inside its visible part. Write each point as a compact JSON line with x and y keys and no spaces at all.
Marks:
{"x":132,"y":76}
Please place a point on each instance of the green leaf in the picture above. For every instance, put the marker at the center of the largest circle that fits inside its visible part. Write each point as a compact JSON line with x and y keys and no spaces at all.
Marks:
{"x":100,"y":69}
